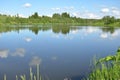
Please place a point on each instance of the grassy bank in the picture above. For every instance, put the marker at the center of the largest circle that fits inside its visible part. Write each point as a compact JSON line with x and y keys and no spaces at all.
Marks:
{"x":107,"y":68}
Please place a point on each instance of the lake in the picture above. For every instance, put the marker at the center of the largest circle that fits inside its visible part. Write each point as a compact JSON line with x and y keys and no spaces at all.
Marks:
{"x":61,"y":51}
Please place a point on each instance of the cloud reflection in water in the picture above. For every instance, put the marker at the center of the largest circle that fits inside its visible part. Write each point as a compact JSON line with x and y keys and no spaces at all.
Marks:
{"x":19,"y":52}
{"x":0,"y":35}
{"x":28,"y":39}
{"x":35,"y":60}
{"x":54,"y":58}
{"x":74,"y":31}
{"x":104,"y":35}
{"x":4,"y":53}
{"x":110,"y":36}
{"x":91,"y":30}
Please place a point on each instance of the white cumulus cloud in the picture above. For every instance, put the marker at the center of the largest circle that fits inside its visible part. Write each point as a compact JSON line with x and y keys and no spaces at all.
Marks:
{"x":21,"y":15}
{"x":63,"y":8}
{"x":69,"y":8}
{"x":27,"y":5}
{"x":86,"y":14}
{"x":56,"y":9}
{"x":105,"y":10}
{"x":92,"y":16}
{"x":77,"y":14}
{"x":116,"y":12}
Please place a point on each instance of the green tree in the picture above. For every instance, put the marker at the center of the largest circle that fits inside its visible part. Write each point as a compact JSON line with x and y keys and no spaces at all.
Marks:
{"x":35,"y":15}
{"x":56,"y":15}
{"x":65,"y":15}
{"x":46,"y":19}
{"x":108,"y":20}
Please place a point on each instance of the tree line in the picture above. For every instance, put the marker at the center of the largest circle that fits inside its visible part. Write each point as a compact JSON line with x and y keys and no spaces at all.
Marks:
{"x":64,"y":18}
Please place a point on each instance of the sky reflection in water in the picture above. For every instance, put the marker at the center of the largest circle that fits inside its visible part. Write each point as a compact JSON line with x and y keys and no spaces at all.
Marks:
{"x":61,"y":52}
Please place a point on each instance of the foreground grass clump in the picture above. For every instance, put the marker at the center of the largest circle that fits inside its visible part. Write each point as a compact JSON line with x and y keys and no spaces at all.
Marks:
{"x":32,"y":75}
{"x":107,"y":68}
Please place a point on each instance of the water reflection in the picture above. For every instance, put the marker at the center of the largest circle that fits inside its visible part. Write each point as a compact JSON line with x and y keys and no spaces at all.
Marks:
{"x":62,"y":51}
{"x":59,"y":36}
{"x":64,"y":29}
{"x":104,"y":35}
{"x":35,"y":29}
{"x":108,"y":29}
{"x":5,"y":53}
{"x":91,"y":30}
{"x":35,"y":60}
{"x":74,"y":31}
{"x":28,"y":39}
{"x":0,"y":35}
{"x":54,"y":58}
{"x":19,"y":52}
{"x":110,"y":35}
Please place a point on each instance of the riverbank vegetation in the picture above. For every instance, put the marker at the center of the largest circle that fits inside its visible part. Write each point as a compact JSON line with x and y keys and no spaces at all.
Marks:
{"x":107,"y":68}
{"x":57,"y":18}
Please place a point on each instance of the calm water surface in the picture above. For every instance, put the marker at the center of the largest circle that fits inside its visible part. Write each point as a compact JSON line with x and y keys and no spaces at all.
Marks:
{"x":60,"y":51}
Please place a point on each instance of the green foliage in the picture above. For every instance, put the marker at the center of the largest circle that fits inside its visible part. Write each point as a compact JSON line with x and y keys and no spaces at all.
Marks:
{"x":56,"y":15}
{"x":65,"y":15}
{"x":34,"y":16}
{"x":108,"y":20}
{"x":58,"y":18}
{"x":108,"y":68}
{"x":109,"y":58}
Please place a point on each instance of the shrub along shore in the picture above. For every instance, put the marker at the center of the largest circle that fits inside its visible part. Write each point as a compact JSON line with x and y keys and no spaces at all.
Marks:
{"x":107,"y":68}
{"x":57,"y":18}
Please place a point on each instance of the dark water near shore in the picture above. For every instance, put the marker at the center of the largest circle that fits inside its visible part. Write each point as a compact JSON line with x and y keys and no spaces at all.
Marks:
{"x":61,"y":51}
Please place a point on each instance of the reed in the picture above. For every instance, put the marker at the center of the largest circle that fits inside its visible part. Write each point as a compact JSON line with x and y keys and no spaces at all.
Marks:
{"x":38,"y":72}
{"x":32,"y":75}
{"x":5,"y":77}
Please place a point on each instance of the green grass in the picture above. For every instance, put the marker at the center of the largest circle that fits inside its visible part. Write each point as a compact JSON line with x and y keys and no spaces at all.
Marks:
{"x":32,"y":75}
{"x":107,"y":68}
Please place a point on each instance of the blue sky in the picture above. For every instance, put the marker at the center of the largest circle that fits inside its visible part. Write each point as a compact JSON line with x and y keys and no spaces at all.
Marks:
{"x":78,"y":8}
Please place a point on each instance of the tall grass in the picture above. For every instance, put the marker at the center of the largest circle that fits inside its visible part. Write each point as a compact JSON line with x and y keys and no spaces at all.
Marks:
{"x":107,"y":68}
{"x":31,"y":74}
